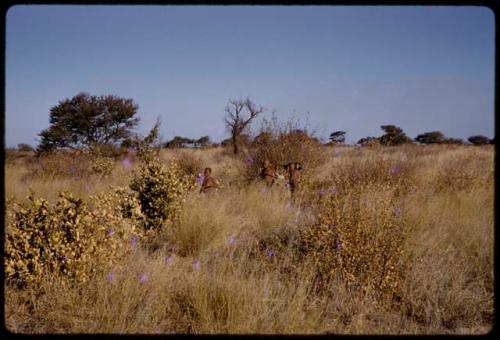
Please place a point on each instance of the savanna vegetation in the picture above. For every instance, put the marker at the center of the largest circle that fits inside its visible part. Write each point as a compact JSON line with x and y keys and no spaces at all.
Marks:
{"x":379,"y":239}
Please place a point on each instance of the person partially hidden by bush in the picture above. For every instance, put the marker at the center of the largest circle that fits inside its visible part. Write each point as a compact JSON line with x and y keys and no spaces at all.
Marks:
{"x":209,"y":184}
{"x":293,"y":175}
{"x":268,"y":174}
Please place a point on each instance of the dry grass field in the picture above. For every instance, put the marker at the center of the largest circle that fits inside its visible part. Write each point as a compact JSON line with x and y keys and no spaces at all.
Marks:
{"x":246,"y":260}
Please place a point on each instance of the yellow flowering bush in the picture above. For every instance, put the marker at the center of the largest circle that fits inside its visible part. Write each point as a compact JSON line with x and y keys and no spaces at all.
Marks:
{"x":102,"y":166}
{"x":161,"y":191}
{"x":66,"y":239}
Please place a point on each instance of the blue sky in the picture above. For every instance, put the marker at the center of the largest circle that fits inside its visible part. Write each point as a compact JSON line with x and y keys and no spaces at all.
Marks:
{"x":350,"y":68}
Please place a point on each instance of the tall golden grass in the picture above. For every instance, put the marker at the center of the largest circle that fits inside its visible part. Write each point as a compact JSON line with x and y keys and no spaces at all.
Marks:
{"x":218,"y":270}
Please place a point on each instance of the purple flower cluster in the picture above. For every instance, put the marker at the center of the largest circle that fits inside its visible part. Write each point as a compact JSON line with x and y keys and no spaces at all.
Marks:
{"x":110,"y":277}
{"x":199,"y":179}
{"x":397,"y":211}
{"x":395,"y":170}
{"x":289,"y":205}
{"x":232,"y":240}
{"x":321,"y":192}
{"x":169,"y":259}
{"x":333,"y":190}
{"x":196,"y":264}
{"x":64,"y":258}
{"x":249,"y":161}
{"x":143,"y":278}
{"x":127,"y":163}
{"x":133,"y":241}
{"x":338,"y":244}
{"x":270,"y":253}
{"x":110,"y":231}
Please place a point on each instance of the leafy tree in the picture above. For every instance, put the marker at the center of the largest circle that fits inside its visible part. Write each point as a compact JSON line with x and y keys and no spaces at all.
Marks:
{"x":479,"y":140}
{"x":203,"y":141}
{"x":367,"y":141}
{"x":393,"y":136}
{"x":179,"y":142}
{"x":84,"y":121}
{"x":337,"y":137}
{"x":236,"y":120}
{"x":430,"y":137}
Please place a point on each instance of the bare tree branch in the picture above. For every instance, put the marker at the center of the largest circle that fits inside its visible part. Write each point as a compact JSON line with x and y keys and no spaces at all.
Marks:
{"x":234,"y":121}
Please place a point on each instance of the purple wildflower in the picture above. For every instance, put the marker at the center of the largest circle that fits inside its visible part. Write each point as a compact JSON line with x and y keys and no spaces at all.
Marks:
{"x":133,"y":241}
{"x":338,"y":244}
{"x":395,"y":170}
{"x":321,"y":192}
{"x":199,"y":179}
{"x":196,"y":264}
{"x":270,"y":253}
{"x":169,"y":259}
{"x":249,"y":161}
{"x":232,"y":240}
{"x":143,"y":278}
{"x":110,"y":277}
{"x":110,"y":231}
{"x":289,"y":205}
{"x":127,"y":163}
{"x":64,"y":258}
{"x":397,"y":211}
{"x":333,"y":190}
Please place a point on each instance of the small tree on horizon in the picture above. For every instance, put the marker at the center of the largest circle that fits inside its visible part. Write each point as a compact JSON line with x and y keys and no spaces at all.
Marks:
{"x":432,"y":137}
{"x":337,"y":137}
{"x":479,"y":140}
{"x":178,"y":142}
{"x":367,"y":141}
{"x":203,"y":141}
{"x":235,"y":121}
{"x":393,"y":136}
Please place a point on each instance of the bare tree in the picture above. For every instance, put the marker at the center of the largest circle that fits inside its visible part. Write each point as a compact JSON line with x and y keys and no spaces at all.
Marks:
{"x":239,"y":113}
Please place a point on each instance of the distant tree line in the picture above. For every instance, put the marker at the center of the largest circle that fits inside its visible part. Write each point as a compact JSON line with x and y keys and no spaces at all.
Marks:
{"x":96,"y":122}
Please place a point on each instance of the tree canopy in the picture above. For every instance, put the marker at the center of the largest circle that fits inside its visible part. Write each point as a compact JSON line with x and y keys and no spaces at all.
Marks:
{"x":479,"y":140}
{"x":84,"y":121}
{"x":393,"y":136}
{"x":430,"y":137}
{"x":337,"y":137}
